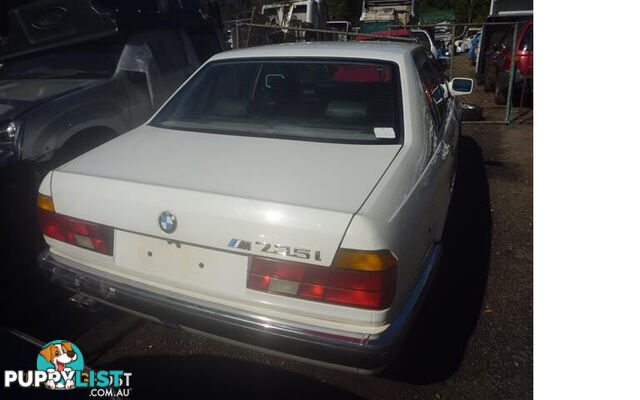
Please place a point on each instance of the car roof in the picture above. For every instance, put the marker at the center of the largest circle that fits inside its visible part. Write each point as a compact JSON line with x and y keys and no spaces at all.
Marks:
{"x":377,"y":50}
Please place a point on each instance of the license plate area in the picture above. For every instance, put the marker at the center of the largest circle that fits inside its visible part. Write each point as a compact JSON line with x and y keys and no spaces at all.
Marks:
{"x":180,"y":265}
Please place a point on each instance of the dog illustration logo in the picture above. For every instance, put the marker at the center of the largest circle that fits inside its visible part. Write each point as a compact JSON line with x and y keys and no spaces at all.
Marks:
{"x":60,"y":358}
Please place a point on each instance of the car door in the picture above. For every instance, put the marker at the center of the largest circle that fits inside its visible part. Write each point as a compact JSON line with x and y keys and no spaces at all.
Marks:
{"x":442,"y":136}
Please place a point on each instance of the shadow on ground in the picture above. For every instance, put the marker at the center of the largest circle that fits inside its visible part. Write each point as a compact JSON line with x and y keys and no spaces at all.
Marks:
{"x":20,"y":243}
{"x":436,"y":344}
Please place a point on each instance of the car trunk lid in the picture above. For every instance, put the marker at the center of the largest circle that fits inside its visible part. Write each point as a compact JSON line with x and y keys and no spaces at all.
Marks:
{"x":233,"y":197}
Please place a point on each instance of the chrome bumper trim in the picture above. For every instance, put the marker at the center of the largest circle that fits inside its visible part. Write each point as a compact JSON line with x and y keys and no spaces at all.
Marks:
{"x":366,"y":354}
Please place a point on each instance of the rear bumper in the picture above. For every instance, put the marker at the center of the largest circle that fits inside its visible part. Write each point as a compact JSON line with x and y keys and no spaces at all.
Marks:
{"x":366,"y":354}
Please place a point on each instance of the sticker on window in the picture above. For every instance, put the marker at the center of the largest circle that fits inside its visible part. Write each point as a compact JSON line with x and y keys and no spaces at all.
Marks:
{"x":384,"y":133}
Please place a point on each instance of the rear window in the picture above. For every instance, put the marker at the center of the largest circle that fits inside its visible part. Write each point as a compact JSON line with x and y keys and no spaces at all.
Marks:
{"x":322,"y":100}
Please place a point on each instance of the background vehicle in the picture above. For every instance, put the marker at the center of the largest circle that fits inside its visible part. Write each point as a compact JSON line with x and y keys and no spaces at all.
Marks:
{"x":419,"y":35}
{"x":307,"y":14}
{"x":74,"y":76}
{"x":377,"y":15}
{"x":341,"y":28}
{"x":443,"y":54}
{"x":499,"y":64}
{"x":464,"y":44}
{"x":503,"y":12}
{"x":424,"y":37}
{"x":472,"y":54}
{"x":442,"y":33}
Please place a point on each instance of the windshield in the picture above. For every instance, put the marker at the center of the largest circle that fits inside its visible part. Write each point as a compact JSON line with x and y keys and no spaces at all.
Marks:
{"x":93,"y":60}
{"x":328,"y":100}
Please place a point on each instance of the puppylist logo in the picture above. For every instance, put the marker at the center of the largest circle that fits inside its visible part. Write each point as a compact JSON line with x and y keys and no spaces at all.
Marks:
{"x":60,"y":366}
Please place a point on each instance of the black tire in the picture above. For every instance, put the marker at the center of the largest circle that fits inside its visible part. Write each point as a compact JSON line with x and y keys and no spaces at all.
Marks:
{"x":471,"y":112}
{"x":490,"y":82}
{"x":489,"y":78}
{"x":500,"y":95}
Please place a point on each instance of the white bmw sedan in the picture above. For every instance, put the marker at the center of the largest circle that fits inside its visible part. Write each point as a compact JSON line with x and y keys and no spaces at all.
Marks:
{"x":290,"y":198}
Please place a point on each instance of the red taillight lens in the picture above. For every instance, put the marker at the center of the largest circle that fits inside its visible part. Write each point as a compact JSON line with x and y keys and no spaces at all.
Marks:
{"x":368,"y":289}
{"x":77,"y":232}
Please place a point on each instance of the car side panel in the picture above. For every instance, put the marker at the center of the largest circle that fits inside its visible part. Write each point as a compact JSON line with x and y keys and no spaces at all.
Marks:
{"x":406,"y":211}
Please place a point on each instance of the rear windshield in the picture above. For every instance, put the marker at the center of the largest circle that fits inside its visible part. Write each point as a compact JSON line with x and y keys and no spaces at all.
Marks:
{"x":322,"y":100}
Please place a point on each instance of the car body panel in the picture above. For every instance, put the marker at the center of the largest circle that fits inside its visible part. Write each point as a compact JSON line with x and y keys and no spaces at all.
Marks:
{"x":241,"y":167}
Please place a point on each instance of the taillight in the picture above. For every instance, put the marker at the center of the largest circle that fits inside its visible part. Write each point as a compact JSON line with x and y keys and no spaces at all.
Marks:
{"x":356,"y":278}
{"x":71,"y":230}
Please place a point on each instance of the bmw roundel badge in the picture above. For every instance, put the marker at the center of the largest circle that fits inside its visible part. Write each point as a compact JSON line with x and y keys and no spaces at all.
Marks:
{"x":168,"y":222}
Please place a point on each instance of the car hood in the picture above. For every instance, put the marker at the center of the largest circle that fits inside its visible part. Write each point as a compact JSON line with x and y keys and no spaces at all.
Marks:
{"x":330,"y":176}
{"x":17,"y":96}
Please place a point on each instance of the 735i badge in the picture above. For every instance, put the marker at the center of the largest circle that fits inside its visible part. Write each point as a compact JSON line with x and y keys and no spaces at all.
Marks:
{"x":277,"y":249}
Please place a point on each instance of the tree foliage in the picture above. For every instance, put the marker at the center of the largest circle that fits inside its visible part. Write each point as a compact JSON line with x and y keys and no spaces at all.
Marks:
{"x":465,"y":10}
{"x":348,"y":10}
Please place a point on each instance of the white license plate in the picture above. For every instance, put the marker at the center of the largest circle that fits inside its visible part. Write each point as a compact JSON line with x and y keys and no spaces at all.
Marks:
{"x":180,"y":265}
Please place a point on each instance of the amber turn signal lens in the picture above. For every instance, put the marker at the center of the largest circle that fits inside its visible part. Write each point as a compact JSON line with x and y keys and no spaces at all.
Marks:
{"x":44,"y":202}
{"x":364,"y":260}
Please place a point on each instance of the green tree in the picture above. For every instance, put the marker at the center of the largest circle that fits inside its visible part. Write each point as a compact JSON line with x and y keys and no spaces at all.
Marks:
{"x":465,"y":10}
{"x":348,"y":10}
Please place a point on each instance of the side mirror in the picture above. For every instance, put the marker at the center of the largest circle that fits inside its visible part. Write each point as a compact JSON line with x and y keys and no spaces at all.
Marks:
{"x":460,"y":86}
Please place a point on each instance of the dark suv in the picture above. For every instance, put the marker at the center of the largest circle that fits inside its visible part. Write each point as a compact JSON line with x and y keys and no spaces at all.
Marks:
{"x":74,"y":74}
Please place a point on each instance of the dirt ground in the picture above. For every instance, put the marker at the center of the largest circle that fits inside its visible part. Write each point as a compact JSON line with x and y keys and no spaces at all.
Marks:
{"x":474,"y":340}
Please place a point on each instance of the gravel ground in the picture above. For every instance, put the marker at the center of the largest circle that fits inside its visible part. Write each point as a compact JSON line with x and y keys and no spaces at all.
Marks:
{"x":474,"y":339}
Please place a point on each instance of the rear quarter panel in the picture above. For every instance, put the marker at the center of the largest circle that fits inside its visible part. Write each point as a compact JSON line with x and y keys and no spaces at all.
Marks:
{"x":397,"y":215}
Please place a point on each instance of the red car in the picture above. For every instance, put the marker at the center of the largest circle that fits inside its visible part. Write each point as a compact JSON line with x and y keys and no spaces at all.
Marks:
{"x":499,"y":66}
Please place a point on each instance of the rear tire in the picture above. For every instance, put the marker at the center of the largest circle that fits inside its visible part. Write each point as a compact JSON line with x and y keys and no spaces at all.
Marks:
{"x":500,"y":97}
{"x":489,"y":78}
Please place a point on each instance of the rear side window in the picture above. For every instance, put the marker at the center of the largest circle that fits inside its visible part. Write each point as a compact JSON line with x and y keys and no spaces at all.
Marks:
{"x":432,"y":85}
{"x":333,"y":100}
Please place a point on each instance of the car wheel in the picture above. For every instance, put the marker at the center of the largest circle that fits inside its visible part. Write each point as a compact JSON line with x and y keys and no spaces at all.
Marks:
{"x":490,"y":81}
{"x":471,"y":112}
{"x":500,"y":97}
